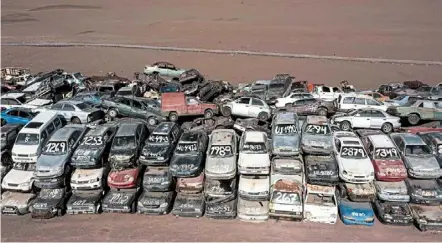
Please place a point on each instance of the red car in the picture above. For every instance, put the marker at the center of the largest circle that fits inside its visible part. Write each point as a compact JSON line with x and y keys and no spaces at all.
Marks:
{"x":190,"y":184}
{"x":386,"y":159}
{"x":124,"y":179}
{"x":415,"y":130}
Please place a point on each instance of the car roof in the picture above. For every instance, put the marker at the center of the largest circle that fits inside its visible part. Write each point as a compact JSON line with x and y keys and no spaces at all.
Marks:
{"x":222,"y":136}
{"x":189,"y":136}
{"x":381,"y":141}
{"x":345,"y":95}
{"x":282,"y":117}
{"x":13,"y":95}
{"x":63,"y":133}
{"x":127,"y":129}
{"x":72,"y":102}
{"x":437,"y":136}
{"x":19,"y":108}
{"x":254,"y":136}
{"x":98,"y":130}
{"x":322,"y":120}
{"x":163,"y":128}
{"x":409,"y":139}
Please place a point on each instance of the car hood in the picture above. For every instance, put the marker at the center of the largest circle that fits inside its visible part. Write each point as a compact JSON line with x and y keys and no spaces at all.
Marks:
{"x":362,"y":189}
{"x":422,"y":163}
{"x":317,"y":140}
{"x":25,"y":149}
{"x":254,"y":185}
{"x":153,"y":198}
{"x":347,"y":208}
{"x":18,"y":176}
{"x":253,"y":160}
{"x":120,"y":175}
{"x":119,"y":198}
{"x":185,"y":160}
{"x":156,"y":151}
{"x":357,"y":166}
{"x":427,"y":212}
{"x":41,"y":203}
{"x":16,"y":198}
{"x":286,"y":143}
{"x":391,"y":187}
{"x":89,"y":197}
{"x":87,"y":174}
{"x":220,"y":165}
{"x":45,"y":161}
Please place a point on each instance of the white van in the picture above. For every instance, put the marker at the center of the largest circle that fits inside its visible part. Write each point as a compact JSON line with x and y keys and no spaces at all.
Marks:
{"x":326,"y":93}
{"x":33,"y":136}
{"x":352,"y":101}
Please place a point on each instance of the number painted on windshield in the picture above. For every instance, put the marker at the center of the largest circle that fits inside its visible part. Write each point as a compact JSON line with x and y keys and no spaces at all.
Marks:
{"x":92,"y":141}
{"x":119,"y":198}
{"x":285,"y":197}
{"x":221,"y":150}
{"x":352,"y":152}
{"x":187,"y":147}
{"x":55,"y":147}
{"x":386,"y":152}
{"x":158,"y":139}
{"x":285,"y":129}
{"x":317,"y":129}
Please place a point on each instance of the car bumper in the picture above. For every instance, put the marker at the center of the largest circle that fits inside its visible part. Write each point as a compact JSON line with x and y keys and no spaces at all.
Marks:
{"x":397,"y":221}
{"x":20,"y":159}
{"x":82,"y":210}
{"x":152,"y":210}
{"x":86,"y":186}
{"x":50,"y":183}
{"x":316,"y":151}
{"x":187,"y":214}
{"x":324,"y":181}
{"x":185,"y":174}
{"x":43,"y":214}
{"x":145,"y":161}
{"x":116,"y":210}
{"x":354,"y":180}
{"x":425,"y":200}
{"x":286,"y":214}
{"x":253,"y":218}
{"x":18,"y":188}
{"x":290,"y":153}
{"x":157,"y":188}
{"x":249,"y":197}
{"x":131,"y":185}
{"x":253,"y":171}
{"x":393,"y":198}
{"x":424,"y":174}
{"x":323,"y":220}
{"x":221,"y":215}
{"x":220,"y":176}
{"x":357,"y":222}
{"x":14,"y":210}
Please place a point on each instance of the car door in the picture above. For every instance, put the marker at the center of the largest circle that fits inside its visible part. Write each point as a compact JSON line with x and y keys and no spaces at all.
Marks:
{"x":377,"y":119}
{"x":137,"y":110}
{"x":311,"y":106}
{"x":346,"y":104}
{"x":427,"y":110}
{"x":361,"y":119}
{"x":194,"y":106}
{"x":67,"y":111}
{"x":374,"y":104}
{"x":256,"y":107}
{"x":13,"y":117}
{"x":241,"y":106}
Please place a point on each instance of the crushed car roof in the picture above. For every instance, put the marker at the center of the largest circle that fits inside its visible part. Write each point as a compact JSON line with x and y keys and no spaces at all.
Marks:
{"x":254,"y":136}
{"x":222,"y":136}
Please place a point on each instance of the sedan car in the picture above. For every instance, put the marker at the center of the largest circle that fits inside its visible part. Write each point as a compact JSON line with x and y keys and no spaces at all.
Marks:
{"x":85,"y":202}
{"x":397,"y":213}
{"x":427,"y":217}
{"x":20,"y":177}
{"x":392,"y":191}
{"x":312,"y":106}
{"x":50,"y":203}
{"x":75,"y":111}
{"x":93,"y":97}
{"x":356,"y":213}
{"x":17,"y":115}
{"x":292,"y":97}
{"x":316,"y":136}
{"x":367,"y":118}
{"x":164,"y":69}
{"x":424,"y":191}
{"x":286,"y":134}
{"x":188,"y":157}
{"x":189,"y":205}
{"x":221,"y":154}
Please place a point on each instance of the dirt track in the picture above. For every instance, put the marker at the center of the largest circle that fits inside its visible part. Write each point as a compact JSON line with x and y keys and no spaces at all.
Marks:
{"x":400,"y":29}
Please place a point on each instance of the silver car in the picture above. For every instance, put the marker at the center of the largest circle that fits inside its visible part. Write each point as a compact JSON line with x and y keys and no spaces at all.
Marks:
{"x":285,"y":134}
{"x":221,"y":154}
{"x":76,"y":111}
{"x":53,"y":163}
{"x":15,"y":203}
{"x":367,"y":118}
{"x":316,"y":136}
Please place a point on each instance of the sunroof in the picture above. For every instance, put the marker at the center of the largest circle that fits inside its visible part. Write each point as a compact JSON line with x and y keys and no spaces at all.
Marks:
{"x":34,"y":125}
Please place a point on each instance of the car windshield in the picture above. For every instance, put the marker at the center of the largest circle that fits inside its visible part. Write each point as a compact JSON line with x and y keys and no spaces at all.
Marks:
{"x":24,"y":166}
{"x":83,"y":105}
{"x":78,"y":75}
{"x":55,"y":148}
{"x":221,"y":151}
{"x":92,"y":141}
{"x":186,"y":148}
{"x":352,"y":152}
{"x":254,"y":148}
{"x":417,"y":150}
{"x":155,"y":139}
{"x":106,"y":89}
{"x":125,"y":92}
{"x":286,"y":141}
{"x":286,"y":198}
{"x":27,"y":139}
{"x":317,"y":129}
{"x":320,"y":199}
{"x":51,"y":193}
{"x":386,"y":153}
{"x":286,"y":129}
{"x":124,"y":142}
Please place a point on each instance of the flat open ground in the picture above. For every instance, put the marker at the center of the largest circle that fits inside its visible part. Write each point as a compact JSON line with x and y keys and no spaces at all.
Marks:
{"x":394,"y":29}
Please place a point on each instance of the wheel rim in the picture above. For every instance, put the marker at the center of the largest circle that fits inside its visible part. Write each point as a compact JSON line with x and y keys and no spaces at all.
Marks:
{"x":345,"y":126}
{"x":322,"y":112}
{"x":112,"y":113}
{"x":152,"y":121}
{"x":387,"y":128}
{"x":413,"y":119}
{"x":263,"y":116}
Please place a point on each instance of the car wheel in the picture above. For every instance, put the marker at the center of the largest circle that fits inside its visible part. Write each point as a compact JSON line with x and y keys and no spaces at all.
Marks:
{"x":413,"y":119}
{"x":59,"y":212}
{"x":422,"y":228}
{"x":112,"y":112}
{"x":263,"y":116}
{"x":152,"y":121}
{"x":3,"y":122}
{"x":208,"y":114}
{"x":322,"y":112}
{"x":107,"y":118}
{"x":227,"y":111}
{"x":345,"y":126}
{"x":387,"y":127}
{"x":173,"y":117}
{"x":76,"y":120}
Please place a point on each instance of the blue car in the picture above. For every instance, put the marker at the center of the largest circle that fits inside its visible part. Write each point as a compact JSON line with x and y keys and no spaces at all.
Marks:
{"x":17,"y":115}
{"x":93,"y":97}
{"x":356,"y":213}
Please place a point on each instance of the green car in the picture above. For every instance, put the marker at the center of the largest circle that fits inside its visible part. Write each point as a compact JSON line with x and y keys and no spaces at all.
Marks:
{"x":419,"y":110}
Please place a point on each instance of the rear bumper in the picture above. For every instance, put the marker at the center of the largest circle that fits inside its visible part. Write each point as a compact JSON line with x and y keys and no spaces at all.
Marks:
{"x":82,"y":210}
{"x":152,"y":211}
{"x":253,"y":218}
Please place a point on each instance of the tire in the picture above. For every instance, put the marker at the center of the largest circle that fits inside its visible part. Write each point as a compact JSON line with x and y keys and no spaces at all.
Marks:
{"x":113,"y":113}
{"x":413,"y":119}
{"x":152,"y":121}
{"x":3,"y":122}
{"x":208,"y":113}
{"x":173,"y":117}
{"x":227,"y":111}
{"x":133,"y":207}
{"x":263,"y":116}
{"x":322,"y":112}
{"x":345,"y":126}
{"x":76,"y":120}
{"x":107,"y":118}
{"x":387,"y":127}
{"x":422,"y":227}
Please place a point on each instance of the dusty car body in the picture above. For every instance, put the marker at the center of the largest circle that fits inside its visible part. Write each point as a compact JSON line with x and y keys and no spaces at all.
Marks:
{"x":89,"y":179}
{"x":49,"y":203}
{"x":209,"y":124}
{"x":224,"y":207}
{"x":417,"y":156}
{"x":221,"y":154}
{"x":75,"y":111}
{"x":287,"y":168}
{"x":252,"y":211}
{"x":427,"y":217}
{"x":220,"y":188}
{"x":190,"y":184}
{"x":15,"y":203}
{"x":121,"y":201}
{"x":189,"y":205}
{"x":254,"y":188}
{"x":254,"y":153}
{"x":124,"y":179}
{"x":321,"y":170}
{"x":419,"y":110}
{"x":424,"y":191}
{"x":434,"y":141}
{"x":392,"y":191}
{"x":158,"y":179}
{"x":371,"y":118}
{"x":85,"y":202}
{"x":320,"y":204}
{"x":286,"y":199}
{"x":253,"y":124}
{"x":188,"y":157}
{"x":285,"y":134}
{"x":356,"y":213}
{"x":155,"y":203}
{"x":312,"y":106}
{"x":247,"y":107}
{"x":160,"y":144}
{"x":359,"y":192}
{"x":397,"y":213}
{"x":164,"y":69}
{"x":316,"y":136}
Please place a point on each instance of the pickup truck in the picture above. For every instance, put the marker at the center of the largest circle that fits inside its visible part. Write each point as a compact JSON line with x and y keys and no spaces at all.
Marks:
{"x":174,"y":105}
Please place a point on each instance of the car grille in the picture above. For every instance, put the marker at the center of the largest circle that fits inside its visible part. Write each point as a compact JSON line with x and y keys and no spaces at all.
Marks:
{"x":22,"y":155}
{"x":359,"y":176}
{"x":79,"y":182}
{"x":12,"y":184}
{"x":44,"y":171}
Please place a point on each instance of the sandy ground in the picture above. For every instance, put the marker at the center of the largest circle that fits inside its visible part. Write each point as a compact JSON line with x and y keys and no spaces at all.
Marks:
{"x":399,"y":29}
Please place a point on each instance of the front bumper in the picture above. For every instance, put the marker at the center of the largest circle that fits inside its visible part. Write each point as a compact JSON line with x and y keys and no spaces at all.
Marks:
{"x":22,"y":159}
{"x":323,"y":220}
{"x":254,"y":170}
{"x":323,"y":181}
{"x":352,"y":179}
{"x":50,"y":182}
{"x":286,"y":214}
{"x":424,"y":174}
{"x":185,"y":174}
{"x":144,"y":161}
{"x":116,"y":209}
{"x":17,"y":187}
{"x":253,"y":218}
{"x":82,"y":210}
{"x":425,"y":200}
{"x":251,"y":197}
{"x":316,"y":150}
{"x":357,"y":222}
{"x":220,"y":176}
{"x":192,"y":214}
{"x":432,"y":226}
{"x":397,"y":221}
{"x":153,"y":210}
{"x":361,"y":198}
{"x":393,"y":197}
{"x":85,"y":185}
{"x":43,"y":214}
{"x":284,"y":153}
{"x":14,"y":210}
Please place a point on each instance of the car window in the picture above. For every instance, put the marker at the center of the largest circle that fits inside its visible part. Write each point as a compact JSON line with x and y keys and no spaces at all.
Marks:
{"x":244,"y":101}
{"x":137,"y":104}
{"x":50,"y":128}
{"x":309,"y":101}
{"x":364,"y":113}
{"x":326,"y":89}
{"x":376,"y":95}
{"x":359,"y":101}
{"x":421,"y":104}
{"x":336,"y":89}
{"x":257,"y":102}
{"x":57,"y":122}
{"x":348,"y":100}
{"x":13,"y":102}
{"x":294,"y":96}
{"x":191,"y":101}
{"x":68,"y":107}
{"x":399,"y":144}
{"x":57,"y":106}
{"x":428,"y":104}
{"x":24,"y":114}
{"x":377,"y":114}
{"x":372,"y":102}
{"x":125,"y":101}
{"x":299,"y":102}
{"x":12,"y":113}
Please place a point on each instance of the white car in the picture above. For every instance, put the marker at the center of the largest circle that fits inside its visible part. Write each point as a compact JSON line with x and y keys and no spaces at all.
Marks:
{"x":354,"y":164}
{"x":326,"y":93}
{"x":367,"y":118}
{"x":254,"y":153}
{"x":281,"y":102}
{"x":253,"y":211}
{"x":321,"y":204}
{"x":248,"y":107}
{"x":86,"y":179}
{"x":11,"y":100}
{"x":254,"y":187}
{"x":353,"y":101}
{"x":222,"y":154}
{"x":164,"y":68}
{"x":20,"y":177}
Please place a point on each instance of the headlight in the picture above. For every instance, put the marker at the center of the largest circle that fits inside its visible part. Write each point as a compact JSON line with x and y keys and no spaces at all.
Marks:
{"x":372,"y":174}
{"x":94,"y":180}
{"x":128,"y":178}
{"x":33,"y":155}
{"x":25,"y":184}
{"x":125,"y":207}
{"x":197,"y":210}
{"x":369,"y":219}
{"x":242,"y":192}
{"x":264,"y":193}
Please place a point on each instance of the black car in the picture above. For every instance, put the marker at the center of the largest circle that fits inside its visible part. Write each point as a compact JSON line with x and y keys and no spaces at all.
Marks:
{"x":434,"y":141}
{"x":424,"y":191}
{"x":127,"y":144}
{"x":223,"y":207}
{"x":121,"y":200}
{"x":188,"y":157}
{"x":160,"y":144}
{"x":398,"y":213}
{"x":321,"y":170}
{"x":158,"y":179}
{"x":8,"y":133}
{"x":219,"y":188}
{"x":49,"y":203}
{"x":189,"y":205}
{"x":93,"y":149}
{"x":85,"y":202}
{"x":155,"y":203}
